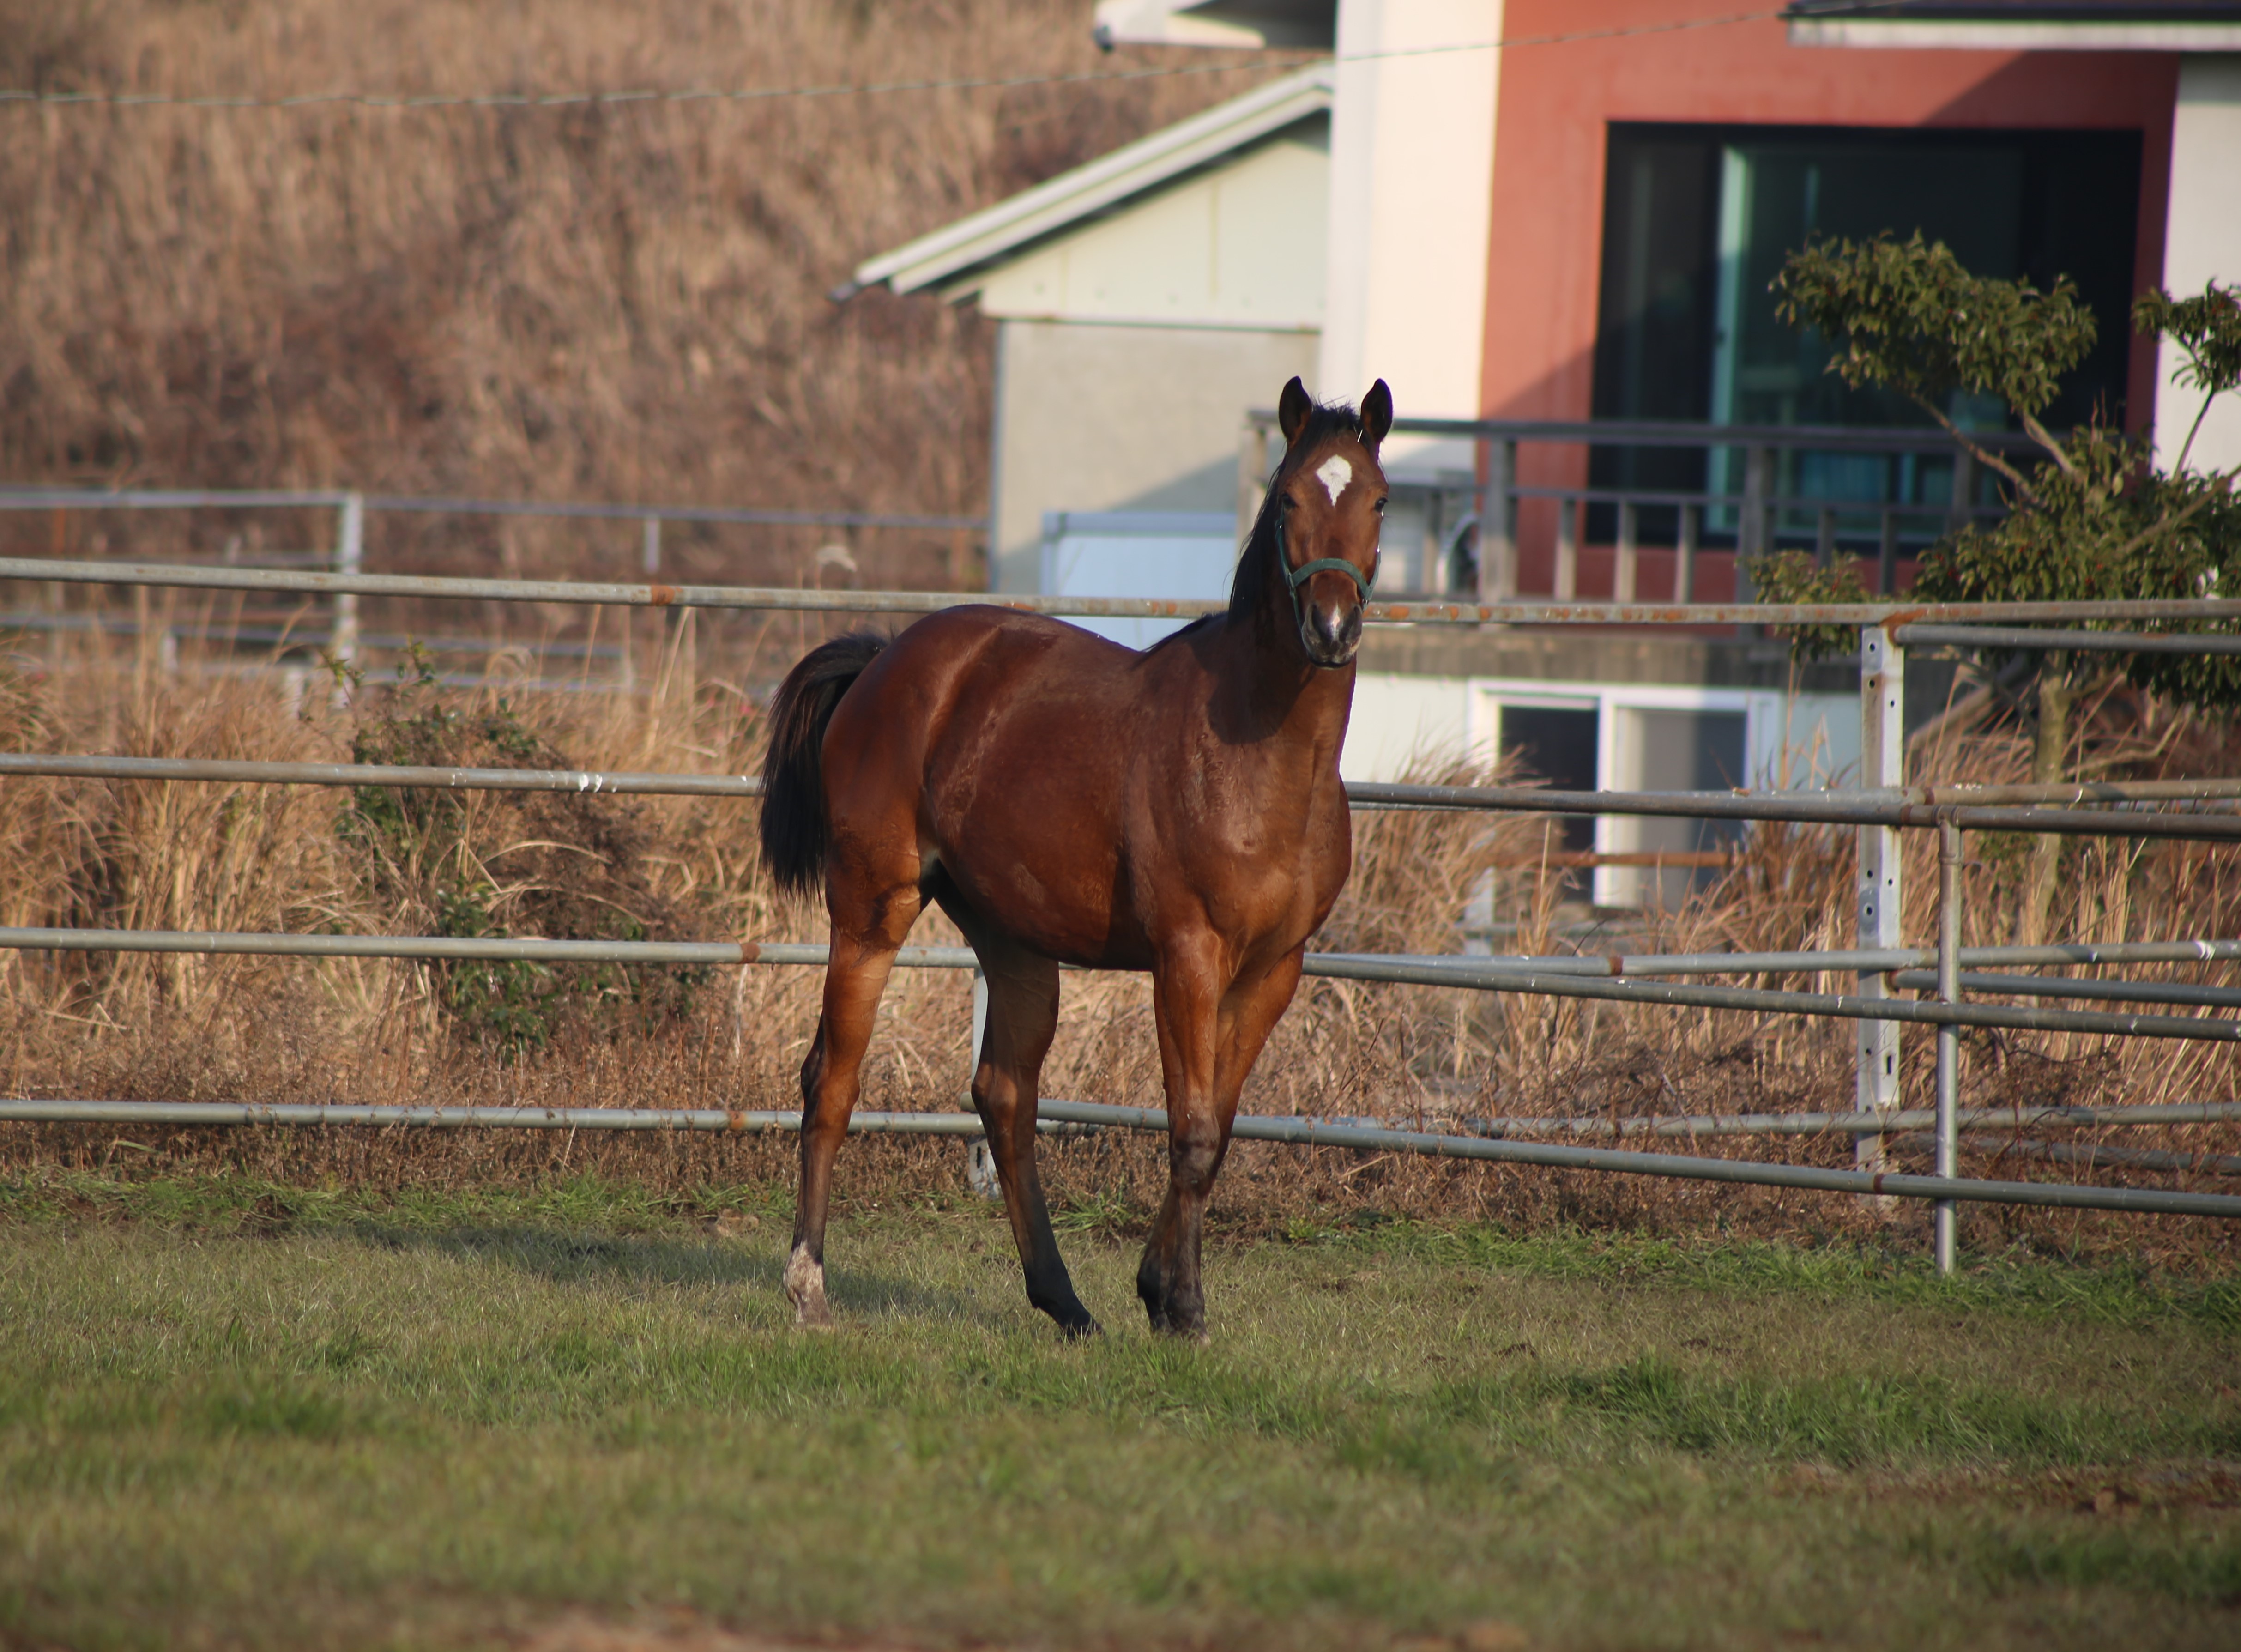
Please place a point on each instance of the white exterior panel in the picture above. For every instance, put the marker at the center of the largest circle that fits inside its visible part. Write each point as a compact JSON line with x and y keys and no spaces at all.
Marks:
{"x":1412,"y":182}
{"x":1237,"y":245}
{"x":2202,"y":243}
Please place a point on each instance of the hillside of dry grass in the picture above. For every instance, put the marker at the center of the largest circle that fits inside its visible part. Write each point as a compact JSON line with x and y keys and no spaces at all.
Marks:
{"x":619,"y":302}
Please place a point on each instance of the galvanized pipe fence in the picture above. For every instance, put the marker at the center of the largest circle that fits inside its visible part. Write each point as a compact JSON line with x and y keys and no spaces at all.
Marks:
{"x":1312,"y":1133}
{"x":1881,"y":808}
{"x":343,"y":637}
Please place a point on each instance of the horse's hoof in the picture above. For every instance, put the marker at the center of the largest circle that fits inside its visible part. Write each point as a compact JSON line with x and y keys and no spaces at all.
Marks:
{"x":1169,"y":1324}
{"x":1081,"y":1330}
{"x":804,"y":1288}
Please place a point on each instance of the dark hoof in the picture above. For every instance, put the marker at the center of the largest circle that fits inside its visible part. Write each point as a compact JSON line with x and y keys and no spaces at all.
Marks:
{"x":1079,"y":1330}
{"x":1182,"y":1326}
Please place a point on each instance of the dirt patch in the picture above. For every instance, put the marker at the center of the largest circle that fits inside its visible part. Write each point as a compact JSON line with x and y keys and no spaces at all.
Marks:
{"x":2104,"y":1491}
{"x":675,"y":1629}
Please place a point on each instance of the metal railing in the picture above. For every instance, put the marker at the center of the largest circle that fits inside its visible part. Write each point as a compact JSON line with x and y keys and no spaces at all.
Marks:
{"x":1756,"y":493}
{"x":1428,"y":611}
{"x":351,"y":509}
{"x":1944,"y":1190}
{"x":1880,"y":810}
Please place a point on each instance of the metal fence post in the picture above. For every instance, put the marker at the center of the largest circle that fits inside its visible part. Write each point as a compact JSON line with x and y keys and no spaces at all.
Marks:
{"x":1948,"y":1035}
{"x":1684,"y":554}
{"x":1497,"y":524}
{"x":1751,"y":536}
{"x":1622,"y":573}
{"x":1882,"y":763}
{"x":1962,"y":507}
{"x":350,"y":557}
{"x":1568,"y":550}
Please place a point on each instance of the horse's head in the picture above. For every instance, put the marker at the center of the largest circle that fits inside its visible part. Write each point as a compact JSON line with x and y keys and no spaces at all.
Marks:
{"x":1327,"y":501}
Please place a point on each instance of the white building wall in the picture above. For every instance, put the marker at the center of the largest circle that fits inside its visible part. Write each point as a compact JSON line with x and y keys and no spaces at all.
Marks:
{"x":1400,"y":721}
{"x":1799,"y":741}
{"x":1412,"y":180}
{"x":2201,"y":241}
{"x":1099,"y":417}
{"x":1237,"y":245}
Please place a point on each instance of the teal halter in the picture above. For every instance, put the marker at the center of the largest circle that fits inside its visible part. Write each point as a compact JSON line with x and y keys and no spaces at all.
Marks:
{"x":1299,"y":575}
{"x":1295,"y":578}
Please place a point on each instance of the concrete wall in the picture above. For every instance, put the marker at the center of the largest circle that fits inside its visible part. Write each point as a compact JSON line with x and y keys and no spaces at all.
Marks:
{"x":1097,"y":418}
{"x":2203,"y":244}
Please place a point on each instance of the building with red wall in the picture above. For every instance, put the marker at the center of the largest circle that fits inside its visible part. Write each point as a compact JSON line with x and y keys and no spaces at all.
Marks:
{"x":1918,"y":114}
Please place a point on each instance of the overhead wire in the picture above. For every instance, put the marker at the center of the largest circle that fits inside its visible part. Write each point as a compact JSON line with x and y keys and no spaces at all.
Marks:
{"x":27,"y":97}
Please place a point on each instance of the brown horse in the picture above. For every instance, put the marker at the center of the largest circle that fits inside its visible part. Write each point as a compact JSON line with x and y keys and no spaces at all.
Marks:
{"x":1067,"y":800}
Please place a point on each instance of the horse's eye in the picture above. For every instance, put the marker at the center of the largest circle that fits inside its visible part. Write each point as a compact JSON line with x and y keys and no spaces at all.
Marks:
{"x":1380,"y":507}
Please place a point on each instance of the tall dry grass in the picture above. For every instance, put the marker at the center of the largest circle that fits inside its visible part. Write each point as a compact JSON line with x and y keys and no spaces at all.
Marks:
{"x":209,"y":856}
{"x":620,"y":302}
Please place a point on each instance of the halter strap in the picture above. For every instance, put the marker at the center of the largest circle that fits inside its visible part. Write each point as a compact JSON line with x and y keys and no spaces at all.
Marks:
{"x":1295,"y":578}
{"x":1299,"y":575}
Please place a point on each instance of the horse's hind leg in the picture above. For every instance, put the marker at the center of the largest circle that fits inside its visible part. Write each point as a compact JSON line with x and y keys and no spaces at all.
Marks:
{"x":1022,"y":1017}
{"x":869,"y":923}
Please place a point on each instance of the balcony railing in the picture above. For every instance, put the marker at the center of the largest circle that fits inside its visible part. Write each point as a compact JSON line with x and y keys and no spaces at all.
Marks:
{"x":1540,"y":502}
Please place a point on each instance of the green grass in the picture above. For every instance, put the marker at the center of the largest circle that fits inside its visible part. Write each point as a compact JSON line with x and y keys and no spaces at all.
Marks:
{"x":246,"y":1415}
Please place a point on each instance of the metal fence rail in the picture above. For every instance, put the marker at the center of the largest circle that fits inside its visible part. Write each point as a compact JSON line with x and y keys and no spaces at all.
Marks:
{"x":56,"y":498}
{"x":1834,"y":808}
{"x":1993,"y":807}
{"x":788,"y":600}
{"x":1248,"y":1127}
{"x":1361,"y":967}
{"x":2090,"y":642}
{"x":1881,"y":809}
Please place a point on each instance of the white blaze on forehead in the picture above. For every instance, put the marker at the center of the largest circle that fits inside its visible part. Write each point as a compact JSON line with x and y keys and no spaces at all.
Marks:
{"x":1334,"y":473}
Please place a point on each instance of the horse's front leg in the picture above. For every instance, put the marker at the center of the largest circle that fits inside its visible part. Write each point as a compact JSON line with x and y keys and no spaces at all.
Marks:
{"x":1189,"y":982}
{"x":1209,"y":1039}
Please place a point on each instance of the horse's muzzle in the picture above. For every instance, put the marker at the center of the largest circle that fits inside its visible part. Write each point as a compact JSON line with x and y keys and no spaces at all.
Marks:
{"x":1329,"y":636}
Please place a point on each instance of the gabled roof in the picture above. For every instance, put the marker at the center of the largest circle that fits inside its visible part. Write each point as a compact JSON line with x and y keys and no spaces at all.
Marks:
{"x":1072,"y":196}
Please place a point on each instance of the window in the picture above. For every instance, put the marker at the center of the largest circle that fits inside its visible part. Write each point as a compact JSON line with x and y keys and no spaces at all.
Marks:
{"x":1557,"y":744}
{"x":1659,"y":736}
{"x":1698,"y":219}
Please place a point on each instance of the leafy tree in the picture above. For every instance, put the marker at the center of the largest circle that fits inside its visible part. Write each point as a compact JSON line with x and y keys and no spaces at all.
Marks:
{"x":2092,"y":519}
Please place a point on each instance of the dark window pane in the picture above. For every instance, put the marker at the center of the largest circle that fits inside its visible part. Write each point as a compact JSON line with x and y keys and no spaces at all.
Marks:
{"x":1557,"y":746}
{"x":1698,"y":219}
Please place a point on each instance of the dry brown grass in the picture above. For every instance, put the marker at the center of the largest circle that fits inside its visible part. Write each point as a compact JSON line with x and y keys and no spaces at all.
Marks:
{"x":625,"y":301}
{"x":207,"y":856}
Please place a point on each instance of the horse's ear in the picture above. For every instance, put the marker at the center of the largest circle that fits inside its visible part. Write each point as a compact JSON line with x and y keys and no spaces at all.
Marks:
{"x":1292,"y":410}
{"x":1376,"y":415}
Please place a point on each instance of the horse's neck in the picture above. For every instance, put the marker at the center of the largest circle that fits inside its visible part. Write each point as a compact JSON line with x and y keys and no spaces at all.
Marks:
{"x":1283,"y":702}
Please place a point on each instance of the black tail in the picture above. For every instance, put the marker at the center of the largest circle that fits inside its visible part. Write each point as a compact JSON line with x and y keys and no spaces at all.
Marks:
{"x":793,"y":791}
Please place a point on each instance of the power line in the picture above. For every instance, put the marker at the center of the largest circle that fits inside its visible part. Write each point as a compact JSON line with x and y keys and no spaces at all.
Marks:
{"x":407,"y":102}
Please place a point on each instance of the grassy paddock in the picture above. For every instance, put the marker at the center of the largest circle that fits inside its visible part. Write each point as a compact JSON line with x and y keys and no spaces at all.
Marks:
{"x":236,"y":1414}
